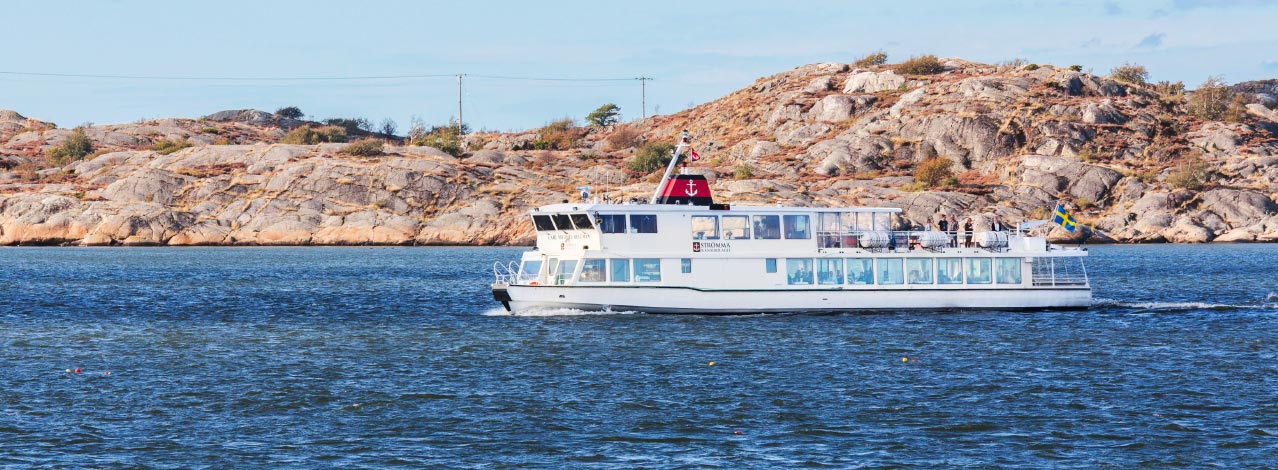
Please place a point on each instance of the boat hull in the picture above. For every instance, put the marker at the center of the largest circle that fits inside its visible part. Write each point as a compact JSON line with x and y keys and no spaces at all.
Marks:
{"x":666,"y":299}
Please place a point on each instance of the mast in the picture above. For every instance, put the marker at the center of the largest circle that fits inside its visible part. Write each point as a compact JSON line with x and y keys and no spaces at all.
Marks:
{"x":674,"y":160}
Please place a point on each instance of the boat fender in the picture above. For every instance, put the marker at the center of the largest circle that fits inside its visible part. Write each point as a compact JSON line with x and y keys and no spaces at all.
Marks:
{"x":532,"y":283}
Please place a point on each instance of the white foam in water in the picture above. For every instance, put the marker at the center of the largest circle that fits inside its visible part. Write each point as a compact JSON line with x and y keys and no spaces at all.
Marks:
{"x":550,"y":312}
{"x":1183,"y":305}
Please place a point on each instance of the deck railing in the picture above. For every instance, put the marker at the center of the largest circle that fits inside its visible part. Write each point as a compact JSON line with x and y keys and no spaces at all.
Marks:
{"x":904,"y":240}
{"x":1064,"y":271}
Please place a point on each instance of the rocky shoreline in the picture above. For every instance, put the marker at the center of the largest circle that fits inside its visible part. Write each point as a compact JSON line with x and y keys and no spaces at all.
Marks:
{"x":820,"y":135}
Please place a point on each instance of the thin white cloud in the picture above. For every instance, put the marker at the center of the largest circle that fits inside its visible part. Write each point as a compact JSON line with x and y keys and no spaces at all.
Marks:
{"x":1152,"y":41}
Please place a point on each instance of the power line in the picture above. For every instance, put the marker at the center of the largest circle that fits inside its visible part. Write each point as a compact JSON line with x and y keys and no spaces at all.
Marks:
{"x":243,"y":79}
{"x":550,"y":79}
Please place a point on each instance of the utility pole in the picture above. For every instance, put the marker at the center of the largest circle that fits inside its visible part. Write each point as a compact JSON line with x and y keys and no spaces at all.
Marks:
{"x":459,"y":104}
{"x":643,"y":96}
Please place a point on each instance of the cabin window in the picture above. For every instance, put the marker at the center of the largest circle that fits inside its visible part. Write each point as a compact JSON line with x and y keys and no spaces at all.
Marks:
{"x":543,"y":223}
{"x":918,"y":270}
{"x":770,"y":265}
{"x":767,"y":227}
{"x":529,"y":270}
{"x":978,"y":270}
{"x":566,"y":269}
{"x":592,"y":270}
{"x":860,"y":271}
{"x":949,"y":271}
{"x":830,"y":271}
{"x":643,"y":223}
{"x":736,"y":227}
{"x":890,"y":271}
{"x":882,"y":220}
{"x":562,"y":222}
{"x":1008,"y":270}
{"x":685,"y":265}
{"x":582,"y":221}
{"x":620,"y":270}
{"x":612,"y":223}
{"x":796,"y":227}
{"x":647,"y":269}
{"x":798,"y":271}
{"x":705,"y":227}
{"x":552,"y":269}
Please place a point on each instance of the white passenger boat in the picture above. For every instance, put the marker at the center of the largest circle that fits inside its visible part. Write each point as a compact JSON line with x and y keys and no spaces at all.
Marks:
{"x":682,"y":253}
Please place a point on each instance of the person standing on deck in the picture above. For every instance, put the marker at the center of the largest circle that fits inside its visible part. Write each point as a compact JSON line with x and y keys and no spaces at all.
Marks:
{"x":967,"y":233}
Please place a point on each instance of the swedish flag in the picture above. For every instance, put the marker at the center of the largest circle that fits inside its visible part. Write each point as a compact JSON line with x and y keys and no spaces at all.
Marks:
{"x":1064,"y":219}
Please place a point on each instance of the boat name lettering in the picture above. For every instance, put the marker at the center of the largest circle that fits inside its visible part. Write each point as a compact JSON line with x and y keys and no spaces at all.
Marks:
{"x":711,"y":247}
{"x":567,"y":236}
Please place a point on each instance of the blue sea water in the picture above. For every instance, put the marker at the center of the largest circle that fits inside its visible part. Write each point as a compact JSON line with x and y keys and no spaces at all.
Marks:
{"x":398,"y":358}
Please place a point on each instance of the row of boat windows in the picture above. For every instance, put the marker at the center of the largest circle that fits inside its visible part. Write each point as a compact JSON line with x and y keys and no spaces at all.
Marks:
{"x":890,"y":271}
{"x":800,"y":271}
{"x":740,"y":227}
{"x":608,"y":223}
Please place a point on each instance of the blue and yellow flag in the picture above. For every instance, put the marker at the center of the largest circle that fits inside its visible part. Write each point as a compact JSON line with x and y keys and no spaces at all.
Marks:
{"x":1064,"y":219}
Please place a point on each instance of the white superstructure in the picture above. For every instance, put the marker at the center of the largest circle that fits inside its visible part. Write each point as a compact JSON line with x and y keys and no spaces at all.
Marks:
{"x":687,"y":258}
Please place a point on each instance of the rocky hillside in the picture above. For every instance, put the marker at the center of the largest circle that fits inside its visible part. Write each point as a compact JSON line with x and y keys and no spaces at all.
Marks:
{"x":1131,"y":161}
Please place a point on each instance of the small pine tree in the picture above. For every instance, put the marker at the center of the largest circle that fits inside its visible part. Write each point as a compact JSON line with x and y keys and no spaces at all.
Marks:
{"x":289,"y":112}
{"x":74,"y":148}
{"x":605,"y":115}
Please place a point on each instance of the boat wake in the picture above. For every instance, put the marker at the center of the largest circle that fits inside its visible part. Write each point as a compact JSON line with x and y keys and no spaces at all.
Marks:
{"x":1269,"y":302}
{"x":552,"y":312}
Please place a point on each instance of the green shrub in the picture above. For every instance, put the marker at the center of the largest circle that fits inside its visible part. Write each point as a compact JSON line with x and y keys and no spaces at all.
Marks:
{"x":210,"y":130}
{"x":876,"y":58}
{"x":352,"y":126}
{"x":651,"y":156}
{"x":933,"y":172}
{"x":166,"y":146}
{"x":1130,"y":73}
{"x":1211,"y":100}
{"x":446,"y":138}
{"x":364,"y":148}
{"x":558,"y":135}
{"x":289,"y":112}
{"x":313,"y":135}
{"x":74,"y":148}
{"x":1189,"y":176}
{"x":1076,"y":68}
{"x":922,"y":65}
{"x":744,"y":171}
{"x":1030,"y":67}
{"x":605,"y":115}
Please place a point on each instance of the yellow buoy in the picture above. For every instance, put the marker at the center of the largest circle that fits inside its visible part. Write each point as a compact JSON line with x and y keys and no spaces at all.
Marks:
{"x":712,"y":363}
{"x":905,"y":359}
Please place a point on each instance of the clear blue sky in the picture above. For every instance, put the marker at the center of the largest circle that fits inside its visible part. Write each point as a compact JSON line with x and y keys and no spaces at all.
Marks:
{"x":696,"y":51}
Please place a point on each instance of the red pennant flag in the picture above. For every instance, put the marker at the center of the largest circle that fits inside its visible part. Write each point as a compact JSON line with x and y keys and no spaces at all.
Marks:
{"x":693,"y":153}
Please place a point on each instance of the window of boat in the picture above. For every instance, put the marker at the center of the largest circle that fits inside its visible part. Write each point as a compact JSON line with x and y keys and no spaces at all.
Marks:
{"x":889,"y":270}
{"x":978,"y":270}
{"x":552,"y":269}
{"x":705,"y":227}
{"x":882,"y":220}
{"x":543,"y":223}
{"x":830,"y":271}
{"x":860,"y":221}
{"x":612,"y":223}
{"x":643,"y":223}
{"x":767,"y":227}
{"x":685,"y":265}
{"x":620,"y":270}
{"x":770,"y":265}
{"x":736,"y":227}
{"x":647,"y":269}
{"x":918,"y":270}
{"x":592,"y":270}
{"x":561,"y":221}
{"x":582,"y":221}
{"x":567,"y":268}
{"x":860,"y":271}
{"x":833,"y":221}
{"x":1008,"y":270}
{"x":529,"y":270}
{"x":949,"y":271}
{"x":796,"y":227}
{"x":799,"y":271}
